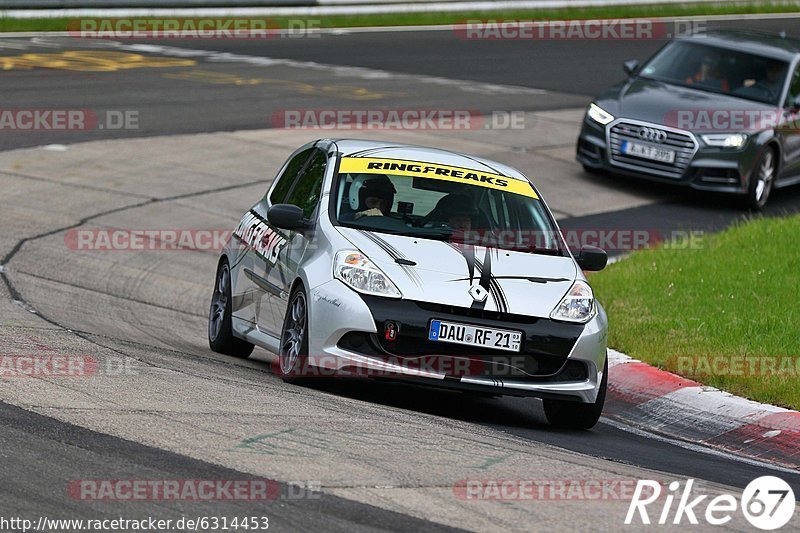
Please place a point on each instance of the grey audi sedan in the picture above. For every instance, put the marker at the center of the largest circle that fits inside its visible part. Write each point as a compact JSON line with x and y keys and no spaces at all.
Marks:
{"x":717,"y":111}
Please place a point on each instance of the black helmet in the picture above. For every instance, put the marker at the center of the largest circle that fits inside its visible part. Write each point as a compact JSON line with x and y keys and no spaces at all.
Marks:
{"x":370,"y":185}
{"x":454,"y":205}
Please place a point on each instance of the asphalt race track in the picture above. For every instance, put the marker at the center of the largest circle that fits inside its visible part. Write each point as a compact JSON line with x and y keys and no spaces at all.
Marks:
{"x":161,"y":405}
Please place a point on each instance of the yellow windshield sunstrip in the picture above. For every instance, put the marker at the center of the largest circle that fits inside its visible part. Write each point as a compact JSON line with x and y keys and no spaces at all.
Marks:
{"x":419,"y":169}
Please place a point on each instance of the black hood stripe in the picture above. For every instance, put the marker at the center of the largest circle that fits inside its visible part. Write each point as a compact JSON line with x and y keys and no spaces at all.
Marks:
{"x":467,"y":251}
{"x":494,"y":288}
{"x":395,"y":254}
{"x":474,"y":266}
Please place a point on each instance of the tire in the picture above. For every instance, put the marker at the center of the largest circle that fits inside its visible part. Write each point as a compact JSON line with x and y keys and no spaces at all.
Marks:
{"x":762,"y":180}
{"x":592,"y":170}
{"x":293,"y":353}
{"x":220,"y":333}
{"x":574,"y":415}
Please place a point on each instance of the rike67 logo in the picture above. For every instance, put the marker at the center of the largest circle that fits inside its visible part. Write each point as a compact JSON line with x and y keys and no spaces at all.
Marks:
{"x":767,"y":503}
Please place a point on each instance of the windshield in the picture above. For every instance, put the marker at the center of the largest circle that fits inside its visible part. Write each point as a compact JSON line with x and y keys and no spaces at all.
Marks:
{"x":440,"y":202}
{"x":719,"y":70}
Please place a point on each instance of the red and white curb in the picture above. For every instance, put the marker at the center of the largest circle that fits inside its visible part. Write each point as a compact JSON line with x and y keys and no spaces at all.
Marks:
{"x":659,"y":402}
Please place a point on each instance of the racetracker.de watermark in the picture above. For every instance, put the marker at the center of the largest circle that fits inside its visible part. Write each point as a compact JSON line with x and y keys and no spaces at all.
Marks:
{"x":67,"y":119}
{"x":398,"y":119}
{"x":192,"y":28}
{"x":748,"y":366}
{"x":609,"y":239}
{"x":215,"y":239}
{"x":146,"y":240}
{"x":718,"y":120}
{"x":191,"y":490}
{"x":631,"y":29}
{"x":54,"y":365}
{"x":510,"y":490}
{"x":47,"y":366}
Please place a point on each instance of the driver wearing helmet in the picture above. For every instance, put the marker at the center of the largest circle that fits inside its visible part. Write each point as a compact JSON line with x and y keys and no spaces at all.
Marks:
{"x":371,"y":196}
{"x":457,"y":210}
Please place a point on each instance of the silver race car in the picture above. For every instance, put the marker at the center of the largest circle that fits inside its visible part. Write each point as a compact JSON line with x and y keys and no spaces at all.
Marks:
{"x":403,"y":262}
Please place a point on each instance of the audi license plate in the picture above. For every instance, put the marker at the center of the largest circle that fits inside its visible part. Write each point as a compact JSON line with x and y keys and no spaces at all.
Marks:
{"x":648,"y":151}
{"x":496,"y":339}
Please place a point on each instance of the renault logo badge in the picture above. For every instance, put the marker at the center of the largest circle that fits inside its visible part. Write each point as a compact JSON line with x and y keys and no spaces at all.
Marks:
{"x":478,"y":293}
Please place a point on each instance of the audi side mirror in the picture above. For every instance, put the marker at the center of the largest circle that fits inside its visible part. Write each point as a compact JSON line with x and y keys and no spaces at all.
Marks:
{"x":591,"y":258}
{"x":630,"y":66}
{"x":288,"y":216}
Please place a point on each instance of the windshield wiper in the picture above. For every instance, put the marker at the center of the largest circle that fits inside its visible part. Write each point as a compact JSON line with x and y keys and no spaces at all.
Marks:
{"x":430,"y":234}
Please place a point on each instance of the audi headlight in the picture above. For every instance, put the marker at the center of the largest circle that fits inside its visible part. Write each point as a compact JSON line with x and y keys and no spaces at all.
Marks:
{"x":357,"y":271}
{"x":725,"y":140}
{"x":599,"y":115}
{"x":577,"y":305}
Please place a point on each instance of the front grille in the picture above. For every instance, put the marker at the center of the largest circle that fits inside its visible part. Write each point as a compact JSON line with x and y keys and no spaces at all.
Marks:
{"x":546,"y":343}
{"x":476,"y":313}
{"x":682,"y":143}
{"x":414,"y":352}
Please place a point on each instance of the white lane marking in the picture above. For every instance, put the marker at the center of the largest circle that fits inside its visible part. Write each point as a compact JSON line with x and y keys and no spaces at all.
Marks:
{"x":55,"y":147}
{"x":25,"y":306}
{"x":12,"y":44}
{"x":337,"y":70}
{"x":695,"y":447}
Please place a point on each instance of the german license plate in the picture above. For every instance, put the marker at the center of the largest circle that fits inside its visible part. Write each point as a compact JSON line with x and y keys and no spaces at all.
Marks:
{"x":647,"y":151}
{"x":496,"y":339}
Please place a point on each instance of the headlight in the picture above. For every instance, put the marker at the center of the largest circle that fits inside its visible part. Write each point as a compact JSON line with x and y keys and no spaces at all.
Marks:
{"x":725,"y":140}
{"x":361,"y":274}
{"x":577,"y":305}
{"x":599,"y":115}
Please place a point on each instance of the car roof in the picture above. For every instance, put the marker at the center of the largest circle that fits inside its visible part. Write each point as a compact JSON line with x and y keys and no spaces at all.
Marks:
{"x":410,"y":152}
{"x":756,"y":42}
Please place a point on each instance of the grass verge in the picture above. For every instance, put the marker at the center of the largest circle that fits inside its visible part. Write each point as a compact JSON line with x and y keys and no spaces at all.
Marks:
{"x":725,"y":314}
{"x":405,"y":19}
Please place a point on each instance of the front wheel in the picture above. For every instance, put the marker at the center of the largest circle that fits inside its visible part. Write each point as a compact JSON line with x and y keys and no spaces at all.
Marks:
{"x":762,"y":180}
{"x":595,"y":171}
{"x":574,"y":415}
{"x":293,"y":354}
{"x":220,"y":333}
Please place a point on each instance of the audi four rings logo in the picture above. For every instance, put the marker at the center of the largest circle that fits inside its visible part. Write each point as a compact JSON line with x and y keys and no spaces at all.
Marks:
{"x":652,"y":135}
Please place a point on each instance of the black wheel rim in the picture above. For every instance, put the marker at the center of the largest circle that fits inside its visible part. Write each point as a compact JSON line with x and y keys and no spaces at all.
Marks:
{"x":219,"y":303}
{"x":293,"y":334}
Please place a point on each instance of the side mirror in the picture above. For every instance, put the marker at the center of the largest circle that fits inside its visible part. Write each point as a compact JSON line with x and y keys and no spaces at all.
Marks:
{"x":630,"y":66}
{"x":288,"y":216}
{"x":795,"y":104}
{"x":591,"y":258}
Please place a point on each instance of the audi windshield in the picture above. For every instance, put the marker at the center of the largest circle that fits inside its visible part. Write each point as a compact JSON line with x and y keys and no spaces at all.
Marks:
{"x":719,"y":70}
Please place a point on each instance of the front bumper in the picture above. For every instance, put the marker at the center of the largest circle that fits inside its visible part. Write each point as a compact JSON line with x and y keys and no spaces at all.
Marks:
{"x":703,"y":168}
{"x":563,"y":361}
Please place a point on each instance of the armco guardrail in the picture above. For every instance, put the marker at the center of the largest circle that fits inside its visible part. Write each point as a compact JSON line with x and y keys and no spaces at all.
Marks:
{"x":56,"y":4}
{"x":95,"y":4}
{"x":25,"y":8}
